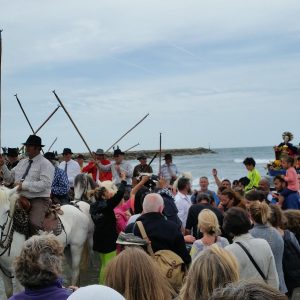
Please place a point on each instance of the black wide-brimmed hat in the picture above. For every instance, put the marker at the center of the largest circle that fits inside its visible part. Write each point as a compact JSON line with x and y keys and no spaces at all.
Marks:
{"x":67,"y":151}
{"x":33,"y":140}
{"x":168,"y":156}
{"x":50,"y":156}
{"x":12,"y":152}
{"x":118,"y":152}
{"x":141,"y":156}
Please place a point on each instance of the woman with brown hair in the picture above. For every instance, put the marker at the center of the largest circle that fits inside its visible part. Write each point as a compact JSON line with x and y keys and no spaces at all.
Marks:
{"x":208,"y":224}
{"x":291,"y":254}
{"x":260,"y":214}
{"x":229,"y":198}
{"x":134,"y":274}
{"x":293,"y":222}
{"x":213,"y":268}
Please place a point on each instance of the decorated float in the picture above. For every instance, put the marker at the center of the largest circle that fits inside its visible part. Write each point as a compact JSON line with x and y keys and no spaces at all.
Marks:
{"x":283,"y":149}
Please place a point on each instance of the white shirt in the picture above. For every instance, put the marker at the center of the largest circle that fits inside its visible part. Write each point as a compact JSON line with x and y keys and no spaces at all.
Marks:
{"x":73,"y":169}
{"x":37,"y":183}
{"x":124,"y":167}
{"x":183,"y":203}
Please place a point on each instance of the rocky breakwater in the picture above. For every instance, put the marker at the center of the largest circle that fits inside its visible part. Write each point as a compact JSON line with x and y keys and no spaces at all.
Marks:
{"x":150,"y":153}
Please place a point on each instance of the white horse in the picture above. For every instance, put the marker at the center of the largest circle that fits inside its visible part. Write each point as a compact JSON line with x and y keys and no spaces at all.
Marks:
{"x":84,"y":186}
{"x":76,"y":226}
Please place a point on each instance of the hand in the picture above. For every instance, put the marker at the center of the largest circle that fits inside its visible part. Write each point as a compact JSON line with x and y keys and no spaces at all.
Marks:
{"x":19,"y":185}
{"x":189,"y":239}
{"x":144,"y":179}
{"x":123,"y":176}
{"x":214,"y":172}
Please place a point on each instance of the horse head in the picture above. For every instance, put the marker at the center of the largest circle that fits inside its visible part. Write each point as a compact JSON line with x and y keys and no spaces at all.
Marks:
{"x":84,"y":186}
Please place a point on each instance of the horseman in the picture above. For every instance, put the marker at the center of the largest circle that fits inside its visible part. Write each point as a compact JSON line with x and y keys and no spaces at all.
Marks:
{"x":33,"y":177}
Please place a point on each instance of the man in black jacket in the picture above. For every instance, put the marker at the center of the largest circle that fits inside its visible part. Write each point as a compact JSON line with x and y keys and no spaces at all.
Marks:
{"x":163,"y":234}
{"x":203,"y":201}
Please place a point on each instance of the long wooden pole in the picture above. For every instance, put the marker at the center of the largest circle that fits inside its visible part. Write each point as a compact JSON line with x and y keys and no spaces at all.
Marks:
{"x":139,"y":122}
{"x":1,"y":91}
{"x":159,"y":154}
{"x":152,"y":158}
{"x":70,"y":118}
{"x":52,"y":144}
{"x":24,"y":113}
{"x":132,"y":147}
{"x":50,"y":116}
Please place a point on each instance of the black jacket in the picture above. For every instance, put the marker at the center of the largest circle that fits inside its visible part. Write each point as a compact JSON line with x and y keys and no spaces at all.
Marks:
{"x":163,"y":234}
{"x":102,"y":213}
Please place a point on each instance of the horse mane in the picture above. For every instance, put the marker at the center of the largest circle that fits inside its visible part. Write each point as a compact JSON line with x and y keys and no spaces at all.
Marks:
{"x":9,"y":196}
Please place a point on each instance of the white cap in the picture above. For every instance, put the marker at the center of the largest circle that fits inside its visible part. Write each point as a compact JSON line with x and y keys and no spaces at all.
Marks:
{"x":95,"y":292}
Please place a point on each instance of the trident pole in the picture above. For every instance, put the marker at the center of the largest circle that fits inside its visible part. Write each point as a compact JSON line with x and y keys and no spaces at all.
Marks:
{"x":24,"y":113}
{"x":132,"y":147}
{"x":52,"y":144}
{"x":70,"y":118}
{"x":0,"y":89}
{"x":139,"y":122}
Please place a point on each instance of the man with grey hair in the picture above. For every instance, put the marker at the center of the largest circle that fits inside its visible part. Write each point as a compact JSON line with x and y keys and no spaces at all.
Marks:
{"x":163,"y":234}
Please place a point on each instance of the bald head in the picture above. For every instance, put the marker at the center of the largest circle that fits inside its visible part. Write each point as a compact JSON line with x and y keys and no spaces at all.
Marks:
{"x":264,"y":185}
{"x":153,"y":203}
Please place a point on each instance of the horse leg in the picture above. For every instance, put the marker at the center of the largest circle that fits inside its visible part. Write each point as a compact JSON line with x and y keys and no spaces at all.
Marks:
{"x":76,"y":251}
{"x":6,"y":287}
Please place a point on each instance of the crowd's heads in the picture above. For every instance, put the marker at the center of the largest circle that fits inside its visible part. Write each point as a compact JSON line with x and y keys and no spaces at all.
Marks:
{"x":293,"y":220}
{"x":12,"y":152}
{"x":247,"y":290}
{"x":139,"y":199}
{"x":243,"y":181}
{"x":183,"y":184}
{"x":260,"y":212}
{"x":39,"y":263}
{"x":208,"y":222}
{"x":254,"y":195}
{"x":249,"y":162}
{"x":134,"y":274}
{"x":168,"y":157}
{"x":236,"y":221}
{"x":264,"y":185}
{"x":107,"y":190}
{"x":226,"y":183}
{"x":96,"y":292}
{"x":212,"y":268}
{"x":203,"y":182}
{"x":204,"y":198}
{"x":276,"y":218}
{"x":229,"y":196}
{"x":287,"y":161}
{"x":153,"y":203}
{"x":279,"y":183}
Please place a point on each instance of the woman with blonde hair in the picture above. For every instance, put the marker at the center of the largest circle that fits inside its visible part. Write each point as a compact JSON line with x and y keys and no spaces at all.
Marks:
{"x":260,"y":214}
{"x":213,"y":268}
{"x":208,"y":224}
{"x":134,"y":274}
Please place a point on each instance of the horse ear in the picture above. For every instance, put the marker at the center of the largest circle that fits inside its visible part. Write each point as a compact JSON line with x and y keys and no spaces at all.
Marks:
{"x":12,"y":191}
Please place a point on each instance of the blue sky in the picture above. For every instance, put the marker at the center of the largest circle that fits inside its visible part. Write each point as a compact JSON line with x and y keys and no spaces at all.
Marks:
{"x":224,"y":73}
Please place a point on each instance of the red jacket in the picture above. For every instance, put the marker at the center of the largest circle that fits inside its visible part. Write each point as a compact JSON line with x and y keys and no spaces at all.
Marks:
{"x":103,"y":175}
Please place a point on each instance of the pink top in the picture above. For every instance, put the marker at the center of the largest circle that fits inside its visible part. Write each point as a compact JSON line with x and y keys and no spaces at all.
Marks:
{"x":291,"y":178}
{"x":121,"y":216}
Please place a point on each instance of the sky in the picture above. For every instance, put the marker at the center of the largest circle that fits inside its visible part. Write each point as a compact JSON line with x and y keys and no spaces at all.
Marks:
{"x":218,"y":73}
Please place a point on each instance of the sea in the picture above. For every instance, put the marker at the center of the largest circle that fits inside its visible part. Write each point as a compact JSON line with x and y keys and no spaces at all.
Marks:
{"x":228,"y":162}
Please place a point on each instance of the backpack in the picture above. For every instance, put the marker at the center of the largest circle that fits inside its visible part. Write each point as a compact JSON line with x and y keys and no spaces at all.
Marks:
{"x":291,"y":262}
{"x":170,"y":264}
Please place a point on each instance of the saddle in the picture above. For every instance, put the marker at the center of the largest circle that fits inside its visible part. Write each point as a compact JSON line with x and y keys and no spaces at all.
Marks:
{"x":21,"y":221}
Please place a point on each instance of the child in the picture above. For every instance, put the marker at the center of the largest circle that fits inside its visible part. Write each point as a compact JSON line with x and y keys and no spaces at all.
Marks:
{"x":253,"y":174}
{"x":290,"y":177}
{"x":103,"y":216}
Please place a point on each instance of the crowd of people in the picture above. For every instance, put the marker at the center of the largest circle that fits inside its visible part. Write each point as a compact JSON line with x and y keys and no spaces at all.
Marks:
{"x":157,"y":237}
